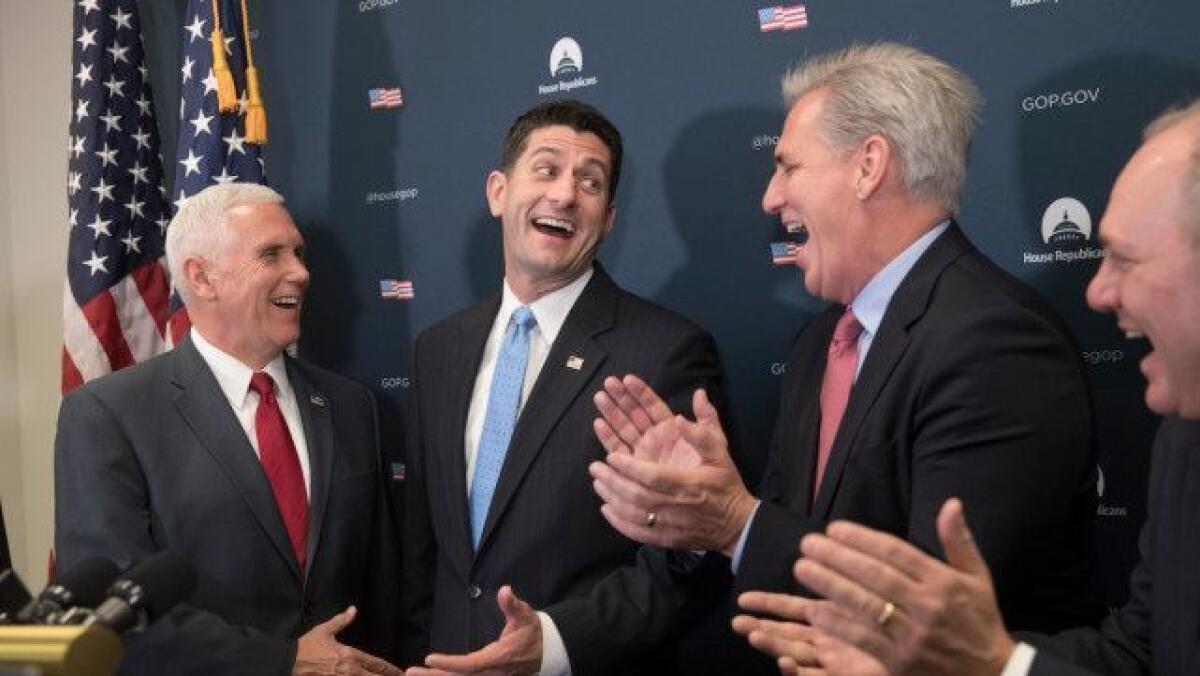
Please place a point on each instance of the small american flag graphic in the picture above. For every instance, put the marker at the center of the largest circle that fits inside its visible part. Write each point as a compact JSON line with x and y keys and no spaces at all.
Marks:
{"x":783,"y":18}
{"x":385,"y":97}
{"x":399,"y":290}
{"x":783,"y":253}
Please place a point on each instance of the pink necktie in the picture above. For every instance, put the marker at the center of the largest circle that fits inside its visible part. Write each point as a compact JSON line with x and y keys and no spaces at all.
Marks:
{"x":282,"y":464}
{"x":840,"y":366}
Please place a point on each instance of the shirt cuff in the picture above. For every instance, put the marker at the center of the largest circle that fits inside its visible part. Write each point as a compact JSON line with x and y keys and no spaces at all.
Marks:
{"x":1020,"y":661}
{"x":736,"y":559}
{"x":554,"y":654}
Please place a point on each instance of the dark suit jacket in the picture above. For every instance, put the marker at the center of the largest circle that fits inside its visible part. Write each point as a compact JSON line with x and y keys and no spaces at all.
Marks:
{"x":973,"y":388}
{"x":611,"y":600}
{"x":153,"y":458}
{"x":1158,"y":629}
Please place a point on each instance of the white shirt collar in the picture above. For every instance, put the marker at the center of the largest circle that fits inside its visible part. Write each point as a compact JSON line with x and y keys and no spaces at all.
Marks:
{"x":550,"y":310}
{"x":232,"y":375}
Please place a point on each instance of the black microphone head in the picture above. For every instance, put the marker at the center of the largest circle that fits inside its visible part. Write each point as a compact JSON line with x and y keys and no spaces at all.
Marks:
{"x":87,"y":581}
{"x":80,"y":587}
{"x":13,"y":595}
{"x":156,"y":585}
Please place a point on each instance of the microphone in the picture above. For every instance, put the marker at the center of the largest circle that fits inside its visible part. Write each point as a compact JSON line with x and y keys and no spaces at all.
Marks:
{"x":13,"y":595}
{"x":82,"y":585}
{"x":146,"y":592}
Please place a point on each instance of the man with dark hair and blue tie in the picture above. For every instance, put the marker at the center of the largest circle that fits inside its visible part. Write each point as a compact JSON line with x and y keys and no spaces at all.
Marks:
{"x":501,"y":518}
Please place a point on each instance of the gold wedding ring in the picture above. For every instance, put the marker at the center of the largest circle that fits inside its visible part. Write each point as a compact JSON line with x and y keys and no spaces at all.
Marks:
{"x":885,"y":615}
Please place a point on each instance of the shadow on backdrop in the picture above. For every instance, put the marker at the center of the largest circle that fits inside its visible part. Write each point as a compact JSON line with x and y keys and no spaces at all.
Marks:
{"x":714,"y":176}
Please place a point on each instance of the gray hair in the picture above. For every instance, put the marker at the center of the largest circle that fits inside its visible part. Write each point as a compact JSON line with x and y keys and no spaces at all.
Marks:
{"x":1170,"y":118}
{"x":199,"y":228}
{"x":924,"y":107}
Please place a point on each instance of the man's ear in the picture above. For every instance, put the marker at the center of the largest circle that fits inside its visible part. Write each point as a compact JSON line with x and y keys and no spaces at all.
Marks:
{"x":610,"y":215}
{"x":497,"y":183}
{"x":874,"y":158}
{"x":197,"y":279}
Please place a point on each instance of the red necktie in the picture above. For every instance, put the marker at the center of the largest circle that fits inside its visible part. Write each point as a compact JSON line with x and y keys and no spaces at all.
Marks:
{"x":282,"y":464}
{"x":840,"y":366}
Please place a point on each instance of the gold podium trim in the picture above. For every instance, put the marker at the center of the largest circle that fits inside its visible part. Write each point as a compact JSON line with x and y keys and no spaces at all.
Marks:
{"x":61,"y":651}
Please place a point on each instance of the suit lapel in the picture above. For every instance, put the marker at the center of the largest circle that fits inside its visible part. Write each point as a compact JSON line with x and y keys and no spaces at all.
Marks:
{"x":465,"y":356}
{"x":907,"y":306}
{"x":799,"y":446}
{"x":318,"y":435}
{"x":203,"y":406}
{"x":556,"y":388}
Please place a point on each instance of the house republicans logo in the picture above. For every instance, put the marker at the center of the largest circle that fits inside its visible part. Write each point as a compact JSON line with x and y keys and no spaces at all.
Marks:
{"x":1066,"y":221}
{"x":566,"y":66}
{"x":1067,"y":232}
{"x":566,"y":58}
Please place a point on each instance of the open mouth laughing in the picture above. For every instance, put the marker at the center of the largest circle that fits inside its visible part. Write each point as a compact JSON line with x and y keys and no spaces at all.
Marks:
{"x":554,"y":227}
{"x":286,"y":302}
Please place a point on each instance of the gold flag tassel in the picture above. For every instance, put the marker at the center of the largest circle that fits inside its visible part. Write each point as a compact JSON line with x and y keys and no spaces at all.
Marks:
{"x":256,"y":114}
{"x":226,"y":92}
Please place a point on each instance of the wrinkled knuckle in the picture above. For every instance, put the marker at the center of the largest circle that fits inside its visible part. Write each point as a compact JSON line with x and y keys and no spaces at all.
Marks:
{"x":937,"y":605}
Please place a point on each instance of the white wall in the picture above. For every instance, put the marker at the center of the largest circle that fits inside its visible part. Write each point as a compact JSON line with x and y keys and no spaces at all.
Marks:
{"x":35,"y":63}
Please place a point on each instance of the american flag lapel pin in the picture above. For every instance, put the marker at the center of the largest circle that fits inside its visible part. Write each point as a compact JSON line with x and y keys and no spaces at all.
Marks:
{"x":316,"y":400}
{"x":575,"y":362}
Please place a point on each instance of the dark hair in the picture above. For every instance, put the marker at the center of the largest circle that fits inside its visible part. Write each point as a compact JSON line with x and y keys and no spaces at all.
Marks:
{"x":569,"y":113}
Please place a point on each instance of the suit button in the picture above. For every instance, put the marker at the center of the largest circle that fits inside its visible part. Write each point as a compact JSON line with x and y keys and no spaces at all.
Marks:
{"x":474,"y":592}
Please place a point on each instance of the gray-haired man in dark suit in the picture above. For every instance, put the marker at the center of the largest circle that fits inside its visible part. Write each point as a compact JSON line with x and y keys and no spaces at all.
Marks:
{"x":259,"y":469}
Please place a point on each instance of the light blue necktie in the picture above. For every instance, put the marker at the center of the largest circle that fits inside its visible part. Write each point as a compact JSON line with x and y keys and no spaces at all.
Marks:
{"x":504,"y":401}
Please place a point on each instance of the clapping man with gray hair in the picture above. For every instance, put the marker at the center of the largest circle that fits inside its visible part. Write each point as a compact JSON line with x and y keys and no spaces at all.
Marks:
{"x":917,"y":615}
{"x":933,"y":373}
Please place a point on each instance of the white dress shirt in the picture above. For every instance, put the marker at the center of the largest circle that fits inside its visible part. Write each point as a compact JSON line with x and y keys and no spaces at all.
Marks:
{"x":1021,"y":661}
{"x":551,"y":312}
{"x":234,"y":379}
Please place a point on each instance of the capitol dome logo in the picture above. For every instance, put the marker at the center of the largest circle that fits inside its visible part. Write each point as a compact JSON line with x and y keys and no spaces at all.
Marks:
{"x":566,"y":68}
{"x":1066,"y":221}
{"x":566,"y":58}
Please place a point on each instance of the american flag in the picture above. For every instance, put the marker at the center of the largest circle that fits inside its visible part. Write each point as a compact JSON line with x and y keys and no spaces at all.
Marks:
{"x":116,"y":301}
{"x":786,"y":18}
{"x":212,"y":145}
{"x":783,"y":253}
{"x":398,"y":471}
{"x":385,"y":97}
{"x":400,"y":290}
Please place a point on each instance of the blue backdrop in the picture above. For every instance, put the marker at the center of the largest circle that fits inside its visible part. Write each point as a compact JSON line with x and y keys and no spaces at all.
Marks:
{"x":396,"y":193}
